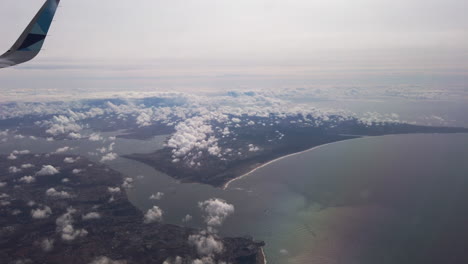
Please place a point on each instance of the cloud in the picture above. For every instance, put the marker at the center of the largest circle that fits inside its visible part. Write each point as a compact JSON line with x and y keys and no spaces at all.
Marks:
{"x":144,"y":119}
{"x":47,"y":245}
{"x":216,"y":211}
{"x":16,"y":212}
{"x":3,"y":184}
{"x":253,"y":148}
{"x":27,"y":166}
{"x":62,"y":125}
{"x":111,"y":146}
{"x":74,"y":135}
{"x":102,"y":150}
{"x":187,"y":218}
{"x":48,"y":170}
{"x":106,"y":260}
{"x":153,"y":215}
{"x":91,"y":216}
{"x":437,"y":118}
{"x":12,"y":157}
{"x":206,"y":244}
{"x":127,"y":183}
{"x":113,"y":190}
{"x":65,"y":226}
{"x":70,"y":160}
{"x":76,"y":171}
{"x":38,"y":213}
{"x":374,"y":118}
{"x":63,"y":149}
{"x":14,"y":169}
{"x":193,"y":134}
{"x":27,"y":179}
{"x":109,"y":156}
{"x":52,"y":192}
{"x":21,"y":152}
{"x":95,"y":137}
{"x":157,"y":196}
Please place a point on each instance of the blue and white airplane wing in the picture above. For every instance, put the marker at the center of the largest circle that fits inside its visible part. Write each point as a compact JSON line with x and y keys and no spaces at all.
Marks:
{"x":30,"y":42}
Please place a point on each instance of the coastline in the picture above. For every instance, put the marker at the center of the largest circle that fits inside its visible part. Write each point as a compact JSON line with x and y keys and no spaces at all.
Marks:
{"x":226,"y":185}
{"x":263,"y":256}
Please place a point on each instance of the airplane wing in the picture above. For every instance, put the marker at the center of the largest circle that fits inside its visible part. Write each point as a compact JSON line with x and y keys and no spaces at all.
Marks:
{"x":30,"y":42}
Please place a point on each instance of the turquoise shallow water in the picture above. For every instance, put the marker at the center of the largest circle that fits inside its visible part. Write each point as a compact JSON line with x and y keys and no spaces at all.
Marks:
{"x":391,"y":199}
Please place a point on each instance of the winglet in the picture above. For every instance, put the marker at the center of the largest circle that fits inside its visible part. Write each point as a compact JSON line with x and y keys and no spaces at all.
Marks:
{"x":30,"y":42}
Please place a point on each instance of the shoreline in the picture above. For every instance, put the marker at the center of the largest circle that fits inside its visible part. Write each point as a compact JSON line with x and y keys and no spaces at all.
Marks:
{"x":262,"y":252}
{"x":226,"y":185}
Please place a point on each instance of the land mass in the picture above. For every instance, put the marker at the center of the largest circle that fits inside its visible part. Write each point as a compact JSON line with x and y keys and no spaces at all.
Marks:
{"x":253,"y":146}
{"x":29,"y":218}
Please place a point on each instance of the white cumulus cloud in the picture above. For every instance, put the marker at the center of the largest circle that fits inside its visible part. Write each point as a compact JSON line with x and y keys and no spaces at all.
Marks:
{"x":47,"y":244}
{"x":187,"y":218}
{"x":62,"y":125}
{"x":65,"y":226}
{"x":206,"y":244}
{"x":153,"y":215}
{"x":41,"y":213}
{"x":14,"y":169}
{"x":74,"y":135}
{"x":27,"y":179}
{"x":91,"y":216}
{"x":157,"y":196}
{"x":109,"y":156}
{"x":70,"y":160}
{"x":95,"y":137}
{"x":216,"y":211}
{"x":113,"y":189}
{"x":63,"y":149}
{"x":52,"y":192}
{"x":21,"y":152}
{"x":127,"y":183}
{"x":48,"y":170}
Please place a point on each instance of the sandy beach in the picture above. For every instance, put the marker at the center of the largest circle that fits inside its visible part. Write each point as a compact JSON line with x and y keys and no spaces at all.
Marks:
{"x":226,"y":185}
{"x":263,"y":256}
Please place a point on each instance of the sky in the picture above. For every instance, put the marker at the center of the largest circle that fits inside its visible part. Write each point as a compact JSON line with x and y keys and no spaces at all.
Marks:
{"x":243,"y":44}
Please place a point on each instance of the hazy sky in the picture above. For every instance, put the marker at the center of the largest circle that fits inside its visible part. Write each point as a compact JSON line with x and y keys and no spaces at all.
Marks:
{"x":95,"y":42}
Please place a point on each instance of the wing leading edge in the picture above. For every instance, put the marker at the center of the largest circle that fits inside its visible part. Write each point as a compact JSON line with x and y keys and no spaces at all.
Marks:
{"x":30,"y":42}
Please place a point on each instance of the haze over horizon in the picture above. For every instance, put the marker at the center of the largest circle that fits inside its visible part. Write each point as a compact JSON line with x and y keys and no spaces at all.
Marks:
{"x":217,"y":45}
